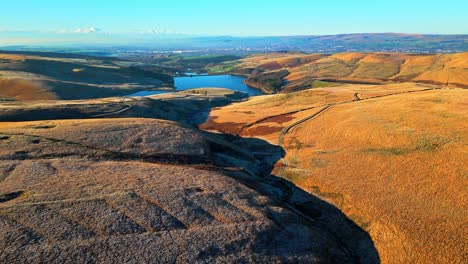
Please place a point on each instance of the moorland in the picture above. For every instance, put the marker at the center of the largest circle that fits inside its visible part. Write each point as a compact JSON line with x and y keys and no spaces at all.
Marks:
{"x":347,"y":158}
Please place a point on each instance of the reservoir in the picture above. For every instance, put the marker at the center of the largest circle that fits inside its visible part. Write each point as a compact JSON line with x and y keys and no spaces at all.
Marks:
{"x":200,"y":81}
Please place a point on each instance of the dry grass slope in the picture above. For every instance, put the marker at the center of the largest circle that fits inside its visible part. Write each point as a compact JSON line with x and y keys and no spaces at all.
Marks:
{"x":391,"y":157}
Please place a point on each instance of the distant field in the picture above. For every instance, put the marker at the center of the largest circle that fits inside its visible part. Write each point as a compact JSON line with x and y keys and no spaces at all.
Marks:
{"x":392,"y":157}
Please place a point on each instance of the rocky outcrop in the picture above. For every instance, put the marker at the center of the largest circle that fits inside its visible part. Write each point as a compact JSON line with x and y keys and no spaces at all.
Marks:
{"x":154,"y":191}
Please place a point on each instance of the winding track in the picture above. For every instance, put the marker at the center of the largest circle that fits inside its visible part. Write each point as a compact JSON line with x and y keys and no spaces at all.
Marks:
{"x":127,"y":107}
{"x":290,"y":127}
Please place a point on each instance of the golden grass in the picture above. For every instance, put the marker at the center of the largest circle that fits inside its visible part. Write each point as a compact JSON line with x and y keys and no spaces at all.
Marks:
{"x":447,"y":69}
{"x":349,"y":57}
{"x":394,"y":164}
{"x":256,"y":109}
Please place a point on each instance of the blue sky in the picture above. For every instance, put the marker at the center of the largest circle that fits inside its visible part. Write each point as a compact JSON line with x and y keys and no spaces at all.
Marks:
{"x":237,"y":17}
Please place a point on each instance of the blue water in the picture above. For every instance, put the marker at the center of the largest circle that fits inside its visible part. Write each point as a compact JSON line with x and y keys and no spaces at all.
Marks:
{"x":201,"y":81}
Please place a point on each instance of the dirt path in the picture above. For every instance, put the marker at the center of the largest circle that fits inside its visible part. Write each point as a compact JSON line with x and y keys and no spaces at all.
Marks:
{"x":288,"y":128}
{"x":127,"y":106}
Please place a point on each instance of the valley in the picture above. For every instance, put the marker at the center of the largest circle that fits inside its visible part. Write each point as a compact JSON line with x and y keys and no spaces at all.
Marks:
{"x":326,"y":158}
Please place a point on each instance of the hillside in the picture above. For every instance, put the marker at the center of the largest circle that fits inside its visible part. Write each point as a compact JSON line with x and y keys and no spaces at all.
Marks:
{"x":36,"y":76}
{"x":157,"y":192}
{"x":391,"y":157}
{"x":301,"y":71}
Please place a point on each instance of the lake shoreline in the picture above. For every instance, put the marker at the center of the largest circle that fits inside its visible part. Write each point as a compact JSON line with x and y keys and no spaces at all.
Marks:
{"x":228,"y":81}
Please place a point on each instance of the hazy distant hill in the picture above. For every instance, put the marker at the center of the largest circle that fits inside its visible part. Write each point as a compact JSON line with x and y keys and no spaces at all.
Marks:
{"x":347,"y":42}
{"x":365,"y":42}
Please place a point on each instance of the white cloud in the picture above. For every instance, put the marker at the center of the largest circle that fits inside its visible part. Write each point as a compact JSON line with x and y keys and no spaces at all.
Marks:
{"x":159,"y":32}
{"x":155,"y":31}
{"x":83,"y":30}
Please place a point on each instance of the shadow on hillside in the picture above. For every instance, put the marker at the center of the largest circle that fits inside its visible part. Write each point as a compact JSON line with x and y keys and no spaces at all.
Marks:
{"x":189,"y":110}
{"x":353,"y":239}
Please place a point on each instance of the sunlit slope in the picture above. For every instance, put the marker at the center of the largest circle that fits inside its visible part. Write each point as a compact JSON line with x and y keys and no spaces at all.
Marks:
{"x":303,"y":69}
{"x":392,"y":157}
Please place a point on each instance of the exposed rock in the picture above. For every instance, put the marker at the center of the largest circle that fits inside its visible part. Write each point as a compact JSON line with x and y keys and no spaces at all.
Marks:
{"x":153,"y":191}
